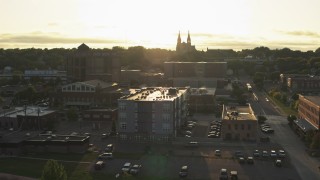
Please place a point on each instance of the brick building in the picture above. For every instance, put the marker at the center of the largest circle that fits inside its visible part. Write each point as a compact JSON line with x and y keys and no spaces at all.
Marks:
{"x":308,"y":114}
{"x":239,"y":123}
{"x":87,"y":64}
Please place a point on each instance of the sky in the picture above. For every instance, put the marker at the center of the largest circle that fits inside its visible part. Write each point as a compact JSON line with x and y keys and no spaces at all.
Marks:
{"x":213,"y":24}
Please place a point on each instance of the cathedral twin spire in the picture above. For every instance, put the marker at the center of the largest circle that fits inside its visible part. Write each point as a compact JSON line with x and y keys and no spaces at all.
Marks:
{"x":184,"y":47}
{"x":188,"y":40}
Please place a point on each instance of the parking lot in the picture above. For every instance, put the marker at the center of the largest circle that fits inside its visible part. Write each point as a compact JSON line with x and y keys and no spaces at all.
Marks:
{"x":203,"y":164}
{"x":165,"y":161}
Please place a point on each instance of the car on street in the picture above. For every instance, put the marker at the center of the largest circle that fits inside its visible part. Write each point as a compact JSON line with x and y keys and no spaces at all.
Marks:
{"x":183,"y":171}
{"x":223,"y":174}
{"x":135,"y":169}
{"x":126,"y":167}
{"x":278,"y":163}
{"x":256,"y":153}
{"x":104,"y":156}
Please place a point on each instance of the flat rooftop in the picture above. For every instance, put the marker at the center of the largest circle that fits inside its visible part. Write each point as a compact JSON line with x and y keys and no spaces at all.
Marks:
{"x":155,"y":94}
{"x":30,"y":111}
{"x":238,"y":113}
{"x":179,"y":62}
{"x":304,"y":125}
{"x":314,"y":99}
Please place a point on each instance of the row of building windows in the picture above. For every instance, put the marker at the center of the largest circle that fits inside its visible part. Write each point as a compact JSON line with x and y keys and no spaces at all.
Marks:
{"x":79,"y":88}
{"x":242,"y":127}
{"x":96,"y":116}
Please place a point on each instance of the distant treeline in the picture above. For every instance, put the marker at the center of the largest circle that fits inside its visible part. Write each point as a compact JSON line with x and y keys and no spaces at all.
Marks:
{"x":139,"y":57}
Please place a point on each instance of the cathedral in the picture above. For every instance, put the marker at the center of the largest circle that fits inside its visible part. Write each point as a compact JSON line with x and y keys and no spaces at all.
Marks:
{"x":183,"y":47}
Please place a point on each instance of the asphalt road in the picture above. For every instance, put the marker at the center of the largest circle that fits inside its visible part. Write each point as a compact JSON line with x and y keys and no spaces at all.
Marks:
{"x":306,"y":166}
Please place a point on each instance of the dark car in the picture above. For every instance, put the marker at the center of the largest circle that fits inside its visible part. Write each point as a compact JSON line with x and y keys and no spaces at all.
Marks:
{"x":234,"y":175}
{"x":183,"y":171}
{"x":223,"y":174}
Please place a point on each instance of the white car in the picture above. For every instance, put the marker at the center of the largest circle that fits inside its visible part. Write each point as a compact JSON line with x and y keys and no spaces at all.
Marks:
{"x":273,"y":153}
{"x":135,"y":169}
{"x":126,"y":167}
{"x":281,"y":153}
{"x":106,"y":156}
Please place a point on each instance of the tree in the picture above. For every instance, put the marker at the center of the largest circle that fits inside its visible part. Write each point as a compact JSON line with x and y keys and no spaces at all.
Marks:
{"x":53,"y":171}
{"x":261,"y":119}
{"x":315,"y":144}
{"x":291,"y":118}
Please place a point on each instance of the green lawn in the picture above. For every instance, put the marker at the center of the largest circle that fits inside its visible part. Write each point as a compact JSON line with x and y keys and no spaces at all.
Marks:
{"x":76,"y":171}
{"x":285,"y":109}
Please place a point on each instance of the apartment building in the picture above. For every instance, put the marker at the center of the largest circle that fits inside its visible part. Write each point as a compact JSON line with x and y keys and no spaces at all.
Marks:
{"x":152,"y":114}
{"x":239,"y":123}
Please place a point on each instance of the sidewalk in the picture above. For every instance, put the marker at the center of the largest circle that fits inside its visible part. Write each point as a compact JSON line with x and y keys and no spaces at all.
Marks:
{"x":4,"y":176}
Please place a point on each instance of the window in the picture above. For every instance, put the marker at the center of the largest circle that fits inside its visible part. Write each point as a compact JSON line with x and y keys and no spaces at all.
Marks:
{"x":229,"y":126}
{"x":166,"y":117}
{"x":166,"y":127}
{"x":236,"y":126}
{"x":123,"y":126}
{"x":122,"y":116}
{"x":249,"y":126}
{"x":242,"y":126}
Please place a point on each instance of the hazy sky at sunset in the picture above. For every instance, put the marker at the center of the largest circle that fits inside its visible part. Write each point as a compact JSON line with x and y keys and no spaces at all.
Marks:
{"x":223,"y":24}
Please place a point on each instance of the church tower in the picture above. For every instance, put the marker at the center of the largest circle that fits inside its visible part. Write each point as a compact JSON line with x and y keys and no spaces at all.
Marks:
{"x":189,"y":39}
{"x":178,"y":42}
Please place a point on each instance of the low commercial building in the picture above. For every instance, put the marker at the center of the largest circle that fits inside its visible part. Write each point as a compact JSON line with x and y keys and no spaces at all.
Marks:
{"x":21,"y":142}
{"x":89,"y":94}
{"x":28,"y":117}
{"x":152,"y":114}
{"x":239,"y":123}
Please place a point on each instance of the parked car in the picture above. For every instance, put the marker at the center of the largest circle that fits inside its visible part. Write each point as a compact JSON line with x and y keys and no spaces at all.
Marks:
{"x":126,"y":167}
{"x":265,"y":154}
{"x":250,"y":160}
{"x":99,"y":165}
{"x":223,"y":174}
{"x":105,"y":135}
{"x":105,"y":156}
{"x":273,"y":154}
{"x":281,"y":154}
{"x":256,"y":153}
{"x":135,"y":169}
{"x":109,"y":148}
{"x":234,"y":175}
{"x":241,"y":160}
{"x":183,"y":171}
{"x":192,"y":144}
{"x":217,"y":152}
{"x":238,"y":154}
